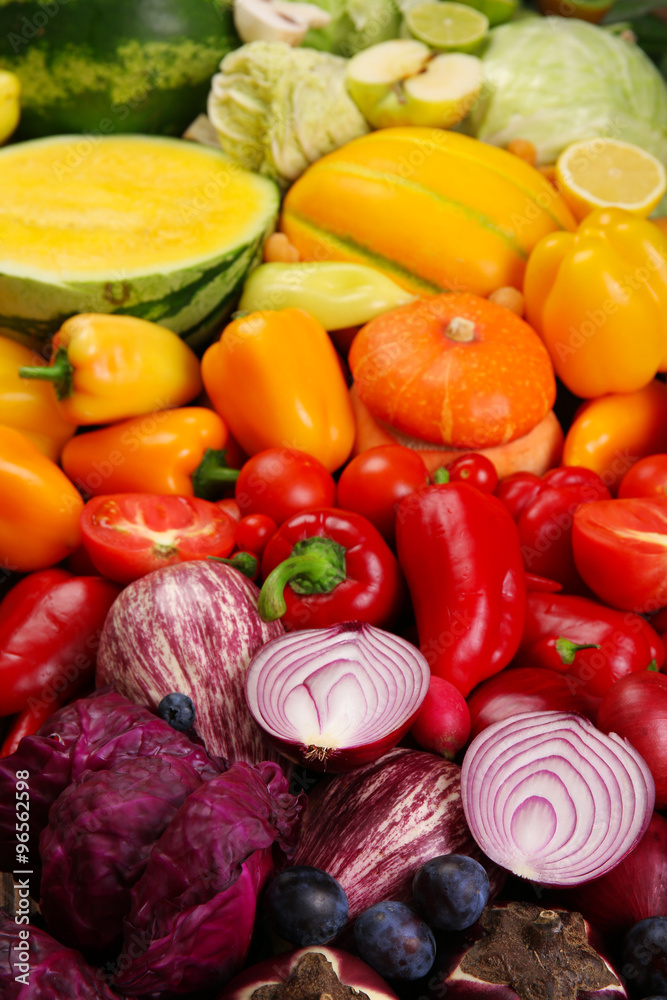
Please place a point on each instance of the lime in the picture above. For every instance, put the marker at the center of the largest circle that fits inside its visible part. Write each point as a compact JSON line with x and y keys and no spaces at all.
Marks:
{"x":447,"y":27}
{"x":497,"y":11}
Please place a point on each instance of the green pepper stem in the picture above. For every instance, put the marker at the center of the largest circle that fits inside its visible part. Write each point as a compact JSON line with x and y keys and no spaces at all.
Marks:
{"x":653,"y":665}
{"x":316,"y":566}
{"x":440,"y":476}
{"x":60,"y":372}
{"x":566,"y":649}
{"x":244,"y":562}
{"x":211,"y":473}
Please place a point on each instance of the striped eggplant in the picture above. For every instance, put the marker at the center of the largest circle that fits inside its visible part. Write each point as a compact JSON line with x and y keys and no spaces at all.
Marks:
{"x":192,"y":628}
{"x":372,"y":828}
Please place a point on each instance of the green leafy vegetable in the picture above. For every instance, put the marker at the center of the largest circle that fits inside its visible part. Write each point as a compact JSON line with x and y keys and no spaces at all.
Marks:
{"x":556,"y":80}
{"x":355,"y":25}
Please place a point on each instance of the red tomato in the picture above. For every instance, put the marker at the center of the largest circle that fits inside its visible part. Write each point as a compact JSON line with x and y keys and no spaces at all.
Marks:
{"x":620,"y":549}
{"x":477,"y":470}
{"x":374,"y":482}
{"x":281,"y":482}
{"x":130,"y":534}
{"x":254,"y":531}
{"x":646,"y":478}
{"x":230,"y":506}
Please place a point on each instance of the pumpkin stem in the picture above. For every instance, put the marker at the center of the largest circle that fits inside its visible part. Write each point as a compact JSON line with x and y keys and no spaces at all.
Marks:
{"x":460,"y":329}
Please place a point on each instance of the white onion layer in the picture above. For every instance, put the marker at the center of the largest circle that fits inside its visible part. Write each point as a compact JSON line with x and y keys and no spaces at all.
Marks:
{"x":552,"y":799}
{"x":340,"y":687}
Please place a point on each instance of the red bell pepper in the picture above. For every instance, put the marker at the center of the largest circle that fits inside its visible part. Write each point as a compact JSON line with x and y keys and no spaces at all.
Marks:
{"x":593,"y":645}
{"x":325,"y":566}
{"x":26,"y":723}
{"x":459,"y":550}
{"x":50,"y":625}
{"x":543,"y":509}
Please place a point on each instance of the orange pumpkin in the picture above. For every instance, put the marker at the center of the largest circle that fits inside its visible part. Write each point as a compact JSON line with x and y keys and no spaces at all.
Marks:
{"x":454,"y":370}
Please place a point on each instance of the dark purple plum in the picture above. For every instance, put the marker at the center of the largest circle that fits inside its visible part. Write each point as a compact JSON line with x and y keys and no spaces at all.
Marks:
{"x":394,"y":941}
{"x":306,"y":906}
{"x":451,"y":891}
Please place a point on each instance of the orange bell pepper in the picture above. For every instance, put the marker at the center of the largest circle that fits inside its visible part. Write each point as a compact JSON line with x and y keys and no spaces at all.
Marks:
{"x":275,"y":379}
{"x":598,"y":299}
{"x":610,"y":434}
{"x":106,"y":368}
{"x":40,"y":509}
{"x":30,"y":407}
{"x":175,"y":452}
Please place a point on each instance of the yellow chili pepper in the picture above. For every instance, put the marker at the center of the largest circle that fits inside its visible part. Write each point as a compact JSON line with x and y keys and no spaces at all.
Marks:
{"x":107,"y":368}
{"x":30,"y":407}
{"x":40,"y":509}
{"x":598,"y":299}
{"x":275,"y":379}
{"x":337,"y":294}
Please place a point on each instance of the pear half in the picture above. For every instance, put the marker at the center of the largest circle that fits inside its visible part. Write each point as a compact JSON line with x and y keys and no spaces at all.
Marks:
{"x":401,"y":82}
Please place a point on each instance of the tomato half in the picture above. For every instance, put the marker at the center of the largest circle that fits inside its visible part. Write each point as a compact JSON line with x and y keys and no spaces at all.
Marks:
{"x":646,"y":478}
{"x":128,"y":535}
{"x":375,"y":482}
{"x":281,"y":482}
{"x":620,"y":550}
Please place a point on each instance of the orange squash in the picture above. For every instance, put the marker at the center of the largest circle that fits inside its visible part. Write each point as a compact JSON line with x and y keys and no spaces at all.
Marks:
{"x":433,"y":209}
{"x":455,"y":370}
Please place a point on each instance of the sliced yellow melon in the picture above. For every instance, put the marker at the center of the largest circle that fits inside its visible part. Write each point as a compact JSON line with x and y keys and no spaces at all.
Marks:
{"x":158,"y":228}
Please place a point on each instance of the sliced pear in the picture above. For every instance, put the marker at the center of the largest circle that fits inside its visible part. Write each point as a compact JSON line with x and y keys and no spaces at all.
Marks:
{"x":401,"y":82}
{"x":277,"y":20}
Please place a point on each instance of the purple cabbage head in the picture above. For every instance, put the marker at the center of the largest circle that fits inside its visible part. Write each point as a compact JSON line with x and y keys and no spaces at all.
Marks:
{"x":53,"y":971}
{"x":89,"y":734}
{"x":101,"y":831}
{"x":193,"y":909}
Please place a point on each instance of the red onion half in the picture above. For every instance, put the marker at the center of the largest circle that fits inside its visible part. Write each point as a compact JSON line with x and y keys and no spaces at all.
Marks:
{"x":552,"y":799}
{"x":339,"y":697}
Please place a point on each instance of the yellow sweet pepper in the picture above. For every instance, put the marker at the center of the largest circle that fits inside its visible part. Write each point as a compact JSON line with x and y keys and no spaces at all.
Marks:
{"x":107,"y":368}
{"x":30,"y":407}
{"x":275,"y":379}
{"x":598,"y":299}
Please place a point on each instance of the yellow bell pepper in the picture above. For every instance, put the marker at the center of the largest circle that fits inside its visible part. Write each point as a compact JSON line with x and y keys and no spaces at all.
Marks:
{"x":30,"y":407}
{"x":275,"y":379}
{"x":598,"y":299}
{"x":107,"y":368}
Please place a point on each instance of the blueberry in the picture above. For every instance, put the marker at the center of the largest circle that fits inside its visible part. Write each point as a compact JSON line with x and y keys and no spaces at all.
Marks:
{"x":394,"y":941}
{"x":306,"y":906}
{"x":644,"y":957}
{"x":451,"y":891}
{"x":178,"y":711}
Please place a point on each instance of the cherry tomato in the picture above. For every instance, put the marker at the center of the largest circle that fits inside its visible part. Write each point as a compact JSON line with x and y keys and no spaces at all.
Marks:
{"x":128,"y":535}
{"x":374,"y":482}
{"x":254,"y":531}
{"x":281,"y":482}
{"x":477,"y":470}
{"x":589,"y":482}
{"x":646,"y":478}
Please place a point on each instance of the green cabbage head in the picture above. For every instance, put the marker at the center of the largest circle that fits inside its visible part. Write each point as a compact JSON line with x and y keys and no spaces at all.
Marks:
{"x":556,"y":80}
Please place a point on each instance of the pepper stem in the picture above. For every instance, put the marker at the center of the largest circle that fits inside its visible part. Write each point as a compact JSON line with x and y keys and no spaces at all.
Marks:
{"x":566,"y":649}
{"x":60,"y":372}
{"x":316,"y":566}
{"x":440,"y":476}
{"x":211,"y":473}
{"x":244,"y":562}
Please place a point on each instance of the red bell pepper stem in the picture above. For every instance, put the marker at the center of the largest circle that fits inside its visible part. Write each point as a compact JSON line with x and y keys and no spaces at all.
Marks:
{"x":60,"y":372}
{"x":566,"y":649}
{"x":316,"y":566}
{"x":212,"y":473}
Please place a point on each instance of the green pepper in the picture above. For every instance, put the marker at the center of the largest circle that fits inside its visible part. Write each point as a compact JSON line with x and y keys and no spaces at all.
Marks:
{"x":337,"y":294}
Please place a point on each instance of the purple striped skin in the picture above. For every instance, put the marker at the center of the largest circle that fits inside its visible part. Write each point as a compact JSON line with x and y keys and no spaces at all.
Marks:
{"x":192,"y":627}
{"x":372,"y":828}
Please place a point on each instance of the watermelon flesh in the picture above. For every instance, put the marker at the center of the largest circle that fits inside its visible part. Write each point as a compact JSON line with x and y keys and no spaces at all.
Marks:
{"x":113,"y":66}
{"x":163,"y":229}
